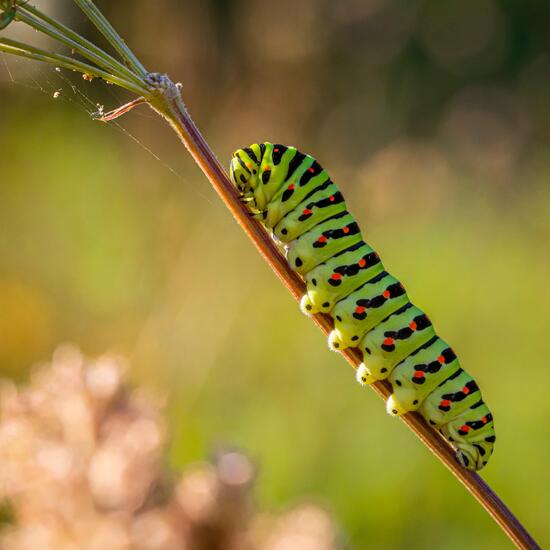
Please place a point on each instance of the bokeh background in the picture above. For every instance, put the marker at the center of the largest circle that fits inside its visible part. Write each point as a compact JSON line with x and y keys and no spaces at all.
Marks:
{"x":432,"y":115}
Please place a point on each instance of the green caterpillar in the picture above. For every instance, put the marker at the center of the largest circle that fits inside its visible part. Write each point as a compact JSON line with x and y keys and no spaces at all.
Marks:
{"x":291,"y":194}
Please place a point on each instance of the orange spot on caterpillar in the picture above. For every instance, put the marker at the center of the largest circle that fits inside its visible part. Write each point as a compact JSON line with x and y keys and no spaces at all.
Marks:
{"x":346,"y":229}
{"x":322,"y":239}
{"x":362,"y":262}
{"x":386,"y":294}
{"x":419,"y":374}
{"x":307,"y":211}
{"x":445,"y":403}
{"x":291,"y":187}
{"x":331,"y":198}
{"x":484,"y":420}
{"x":276,"y":150}
{"x":465,"y":428}
{"x":388,"y":341}
{"x":465,"y":390}
{"x":311,"y":169}
{"x":360,"y":309}
{"x":412,"y":325}
{"x":336,"y":276}
{"x":441,"y":359}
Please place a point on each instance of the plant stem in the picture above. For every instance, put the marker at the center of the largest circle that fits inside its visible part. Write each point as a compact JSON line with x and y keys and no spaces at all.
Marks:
{"x":24,"y":50}
{"x":169,"y":104}
{"x":41,"y":22}
{"x":108,"y":31}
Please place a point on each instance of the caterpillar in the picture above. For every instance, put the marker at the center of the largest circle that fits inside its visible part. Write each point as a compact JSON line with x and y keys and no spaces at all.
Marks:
{"x":293,"y":197}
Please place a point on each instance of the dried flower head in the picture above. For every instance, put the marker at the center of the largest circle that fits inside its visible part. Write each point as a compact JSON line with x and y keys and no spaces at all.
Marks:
{"x":82,"y":466}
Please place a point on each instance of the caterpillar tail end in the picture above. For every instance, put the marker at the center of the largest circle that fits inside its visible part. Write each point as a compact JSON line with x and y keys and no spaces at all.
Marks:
{"x":363,"y":376}
{"x":471,"y":458}
{"x":466,"y":460}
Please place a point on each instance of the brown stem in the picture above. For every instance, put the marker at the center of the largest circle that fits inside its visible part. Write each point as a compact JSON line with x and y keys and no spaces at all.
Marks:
{"x":168,"y":103}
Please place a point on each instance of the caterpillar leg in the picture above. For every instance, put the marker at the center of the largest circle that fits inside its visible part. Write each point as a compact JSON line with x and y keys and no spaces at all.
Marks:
{"x":377,"y":367}
{"x":396,"y":405}
{"x":336,"y":342}
{"x":307,"y":306}
{"x":363,"y":377}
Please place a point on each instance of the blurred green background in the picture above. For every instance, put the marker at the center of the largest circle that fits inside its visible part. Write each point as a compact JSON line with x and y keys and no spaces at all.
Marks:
{"x":433,"y":116}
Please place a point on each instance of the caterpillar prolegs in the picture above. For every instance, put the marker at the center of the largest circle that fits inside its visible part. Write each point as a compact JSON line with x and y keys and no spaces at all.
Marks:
{"x":292,"y":195}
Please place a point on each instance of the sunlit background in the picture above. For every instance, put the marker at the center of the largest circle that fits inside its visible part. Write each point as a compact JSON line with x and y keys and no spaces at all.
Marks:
{"x":434,"y":118}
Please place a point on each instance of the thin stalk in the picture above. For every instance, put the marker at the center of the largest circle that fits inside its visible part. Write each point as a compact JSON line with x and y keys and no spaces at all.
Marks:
{"x":41,"y":22}
{"x":170,"y":105}
{"x":24,"y":50}
{"x":108,"y":31}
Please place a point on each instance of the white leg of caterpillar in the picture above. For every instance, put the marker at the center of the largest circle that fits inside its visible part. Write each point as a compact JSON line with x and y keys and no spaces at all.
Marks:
{"x":335,"y":343}
{"x":363,"y":376}
{"x":306,"y":305}
{"x":394,"y":407}
{"x":401,"y":401}
{"x":377,"y":366}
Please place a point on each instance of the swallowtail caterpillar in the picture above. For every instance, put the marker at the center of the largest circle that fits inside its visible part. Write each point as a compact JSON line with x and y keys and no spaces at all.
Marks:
{"x":292,"y":196}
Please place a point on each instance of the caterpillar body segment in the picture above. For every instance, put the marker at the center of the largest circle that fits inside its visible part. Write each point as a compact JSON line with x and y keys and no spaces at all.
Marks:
{"x":312,"y":210}
{"x":418,"y":375}
{"x":340,"y":275}
{"x":329,"y":238}
{"x":364,"y":308}
{"x":451,"y":398}
{"x":393,"y":339}
{"x":293,"y":196}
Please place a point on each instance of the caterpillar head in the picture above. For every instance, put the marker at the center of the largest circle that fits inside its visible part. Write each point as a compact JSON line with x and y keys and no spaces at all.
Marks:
{"x":244,"y":170}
